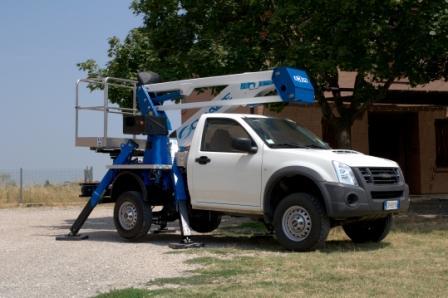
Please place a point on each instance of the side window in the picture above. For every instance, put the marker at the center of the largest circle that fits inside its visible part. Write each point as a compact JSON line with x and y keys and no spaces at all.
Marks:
{"x":218,"y":135}
{"x":441,"y":126}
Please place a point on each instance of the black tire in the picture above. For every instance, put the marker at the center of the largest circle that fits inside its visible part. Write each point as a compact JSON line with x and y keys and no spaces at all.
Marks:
{"x":136,"y":223}
{"x":204,"y":221}
{"x":369,"y":231}
{"x":301,"y":223}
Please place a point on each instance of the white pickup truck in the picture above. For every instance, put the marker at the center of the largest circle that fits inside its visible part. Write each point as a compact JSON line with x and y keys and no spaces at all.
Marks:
{"x":274,"y":170}
{"x":270,"y":169}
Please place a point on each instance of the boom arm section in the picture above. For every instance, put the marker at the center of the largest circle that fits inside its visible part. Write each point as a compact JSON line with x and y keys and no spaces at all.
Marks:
{"x":289,"y":84}
{"x":281,"y":84}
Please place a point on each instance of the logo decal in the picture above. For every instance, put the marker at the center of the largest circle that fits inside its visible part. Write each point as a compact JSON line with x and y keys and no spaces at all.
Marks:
{"x":301,"y":79}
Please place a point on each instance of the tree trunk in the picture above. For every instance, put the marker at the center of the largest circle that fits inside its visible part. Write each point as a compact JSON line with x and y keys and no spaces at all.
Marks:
{"x":338,"y":133}
{"x":343,"y":135}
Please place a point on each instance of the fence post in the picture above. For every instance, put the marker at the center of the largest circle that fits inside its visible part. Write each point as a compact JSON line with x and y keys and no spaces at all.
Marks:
{"x":21,"y":187}
{"x":88,"y":174}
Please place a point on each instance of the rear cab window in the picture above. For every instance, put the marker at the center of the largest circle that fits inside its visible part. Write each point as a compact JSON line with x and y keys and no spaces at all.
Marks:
{"x":218,"y":134}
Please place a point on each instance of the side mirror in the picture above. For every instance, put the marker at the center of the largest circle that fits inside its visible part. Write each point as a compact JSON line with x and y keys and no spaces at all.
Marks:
{"x":244,"y":145}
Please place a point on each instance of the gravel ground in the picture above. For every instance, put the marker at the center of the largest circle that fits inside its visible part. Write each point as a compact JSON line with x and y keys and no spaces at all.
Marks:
{"x":33,"y":264}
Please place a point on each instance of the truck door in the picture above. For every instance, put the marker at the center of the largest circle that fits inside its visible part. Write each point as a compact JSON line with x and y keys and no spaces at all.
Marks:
{"x":223,"y":177}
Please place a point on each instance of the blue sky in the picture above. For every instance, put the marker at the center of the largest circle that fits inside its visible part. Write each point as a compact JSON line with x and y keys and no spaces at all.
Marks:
{"x":40,"y":44}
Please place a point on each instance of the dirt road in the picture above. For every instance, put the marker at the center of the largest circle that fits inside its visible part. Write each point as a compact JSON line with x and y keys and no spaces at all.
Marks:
{"x":33,"y":264}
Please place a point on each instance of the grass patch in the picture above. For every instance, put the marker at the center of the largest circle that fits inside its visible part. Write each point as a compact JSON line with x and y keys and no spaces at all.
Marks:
{"x":50,"y":195}
{"x":130,"y":293}
{"x":412,"y":261}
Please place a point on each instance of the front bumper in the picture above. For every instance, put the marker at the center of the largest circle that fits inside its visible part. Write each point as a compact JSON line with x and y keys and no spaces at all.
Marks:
{"x":347,"y":201}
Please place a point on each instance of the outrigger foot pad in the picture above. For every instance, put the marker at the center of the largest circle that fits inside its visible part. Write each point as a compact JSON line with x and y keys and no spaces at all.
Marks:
{"x":186,"y":243}
{"x":71,"y":237}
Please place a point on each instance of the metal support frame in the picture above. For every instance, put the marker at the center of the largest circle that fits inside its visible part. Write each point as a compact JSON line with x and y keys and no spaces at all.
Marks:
{"x":104,"y":141}
{"x":122,"y":158}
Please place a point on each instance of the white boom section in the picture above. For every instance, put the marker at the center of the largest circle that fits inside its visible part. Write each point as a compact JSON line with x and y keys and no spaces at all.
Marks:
{"x":242,"y":89}
{"x":186,"y":87}
{"x":227,"y":100}
{"x":233,"y":102}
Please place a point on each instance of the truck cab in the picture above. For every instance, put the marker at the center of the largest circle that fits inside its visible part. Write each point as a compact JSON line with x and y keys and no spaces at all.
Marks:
{"x":277,"y":171}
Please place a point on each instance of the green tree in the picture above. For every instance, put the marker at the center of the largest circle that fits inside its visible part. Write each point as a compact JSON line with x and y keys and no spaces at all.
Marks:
{"x":381,"y":40}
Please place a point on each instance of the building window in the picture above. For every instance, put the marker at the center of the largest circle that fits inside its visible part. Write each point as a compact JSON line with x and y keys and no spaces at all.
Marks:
{"x":441,"y":143}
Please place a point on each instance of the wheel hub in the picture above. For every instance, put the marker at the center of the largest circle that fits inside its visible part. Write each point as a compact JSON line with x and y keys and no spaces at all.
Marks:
{"x":127,"y":216}
{"x":296,"y":223}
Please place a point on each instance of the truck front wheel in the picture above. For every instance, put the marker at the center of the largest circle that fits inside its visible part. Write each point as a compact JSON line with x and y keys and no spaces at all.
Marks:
{"x":300,"y":222}
{"x":369,"y":231}
{"x":132,"y":216}
{"x":204,"y":221}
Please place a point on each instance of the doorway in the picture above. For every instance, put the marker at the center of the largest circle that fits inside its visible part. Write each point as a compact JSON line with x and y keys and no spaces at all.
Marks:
{"x":394,"y":135}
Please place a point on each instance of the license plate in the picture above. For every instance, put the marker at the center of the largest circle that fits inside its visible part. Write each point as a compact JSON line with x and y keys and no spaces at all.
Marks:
{"x":391,"y":205}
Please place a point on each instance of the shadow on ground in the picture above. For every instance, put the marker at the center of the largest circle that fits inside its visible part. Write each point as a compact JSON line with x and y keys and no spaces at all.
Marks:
{"x":216,"y":241}
{"x":234,"y":233}
{"x":95,"y":223}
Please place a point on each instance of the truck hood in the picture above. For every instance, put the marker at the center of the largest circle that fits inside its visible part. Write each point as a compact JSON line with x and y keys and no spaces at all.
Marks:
{"x":350,"y":157}
{"x":358,"y":159}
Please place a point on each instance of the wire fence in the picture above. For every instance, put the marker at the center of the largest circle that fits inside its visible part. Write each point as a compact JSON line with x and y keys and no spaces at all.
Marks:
{"x":46,"y":186}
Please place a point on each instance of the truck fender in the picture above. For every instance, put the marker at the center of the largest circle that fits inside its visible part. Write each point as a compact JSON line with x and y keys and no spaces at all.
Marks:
{"x":128,"y":181}
{"x":290,"y":171}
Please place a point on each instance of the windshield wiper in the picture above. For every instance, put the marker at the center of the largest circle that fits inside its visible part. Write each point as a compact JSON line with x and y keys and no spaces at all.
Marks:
{"x":289,"y":145}
{"x":314,"y":146}
{"x":286,"y":145}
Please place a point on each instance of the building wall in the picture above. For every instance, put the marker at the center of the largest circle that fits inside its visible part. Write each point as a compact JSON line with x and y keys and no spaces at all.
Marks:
{"x":433,"y":180}
{"x":307,"y":116}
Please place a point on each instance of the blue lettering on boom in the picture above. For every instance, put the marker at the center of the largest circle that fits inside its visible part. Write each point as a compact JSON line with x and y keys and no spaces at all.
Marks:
{"x":253,"y":85}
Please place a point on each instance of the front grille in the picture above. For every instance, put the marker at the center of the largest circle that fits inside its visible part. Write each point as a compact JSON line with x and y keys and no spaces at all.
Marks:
{"x":380,"y":175}
{"x":386,"y":194}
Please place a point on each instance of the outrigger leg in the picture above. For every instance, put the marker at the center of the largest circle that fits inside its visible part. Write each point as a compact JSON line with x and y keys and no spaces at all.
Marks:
{"x":181,"y":204}
{"x":122,"y":158}
{"x":186,"y":241}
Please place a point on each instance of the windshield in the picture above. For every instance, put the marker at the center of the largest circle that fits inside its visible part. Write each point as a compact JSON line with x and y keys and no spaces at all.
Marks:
{"x":282,"y":133}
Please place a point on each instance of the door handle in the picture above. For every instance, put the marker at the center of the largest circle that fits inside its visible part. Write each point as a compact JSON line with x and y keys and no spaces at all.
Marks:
{"x":203,"y":160}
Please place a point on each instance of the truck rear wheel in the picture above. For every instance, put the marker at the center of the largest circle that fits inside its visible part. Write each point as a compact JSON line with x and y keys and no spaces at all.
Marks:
{"x":300,"y":222}
{"x":132,"y":216}
{"x":204,"y":221}
{"x":369,"y":231}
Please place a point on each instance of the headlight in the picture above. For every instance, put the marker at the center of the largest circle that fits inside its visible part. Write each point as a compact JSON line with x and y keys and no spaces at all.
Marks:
{"x":344,"y":173}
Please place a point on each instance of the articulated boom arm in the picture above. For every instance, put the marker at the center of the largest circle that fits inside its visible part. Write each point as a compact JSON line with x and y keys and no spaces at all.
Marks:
{"x":290,"y":85}
{"x":252,"y":88}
